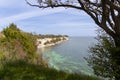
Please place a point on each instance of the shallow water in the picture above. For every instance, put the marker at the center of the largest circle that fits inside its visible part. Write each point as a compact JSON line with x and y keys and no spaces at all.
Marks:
{"x":69,"y":55}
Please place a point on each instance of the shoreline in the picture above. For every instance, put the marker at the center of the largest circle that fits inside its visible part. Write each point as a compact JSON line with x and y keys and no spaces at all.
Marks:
{"x":46,"y":42}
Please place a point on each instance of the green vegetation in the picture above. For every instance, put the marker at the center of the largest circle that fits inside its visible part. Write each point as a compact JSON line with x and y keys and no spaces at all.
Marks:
{"x":18,"y":45}
{"x":19,"y":60}
{"x":17,"y":38}
{"x":101,"y":58}
{"x":20,"y":70}
{"x":47,"y":42}
{"x":50,"y":36}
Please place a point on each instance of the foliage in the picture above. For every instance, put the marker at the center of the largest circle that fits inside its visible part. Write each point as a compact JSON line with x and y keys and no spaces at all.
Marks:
{"x":17,"y":37}
{"x":20,"y":70}
{"x":101,"y":59}
{"x":18,"y":45}
{"x":50,"y":36}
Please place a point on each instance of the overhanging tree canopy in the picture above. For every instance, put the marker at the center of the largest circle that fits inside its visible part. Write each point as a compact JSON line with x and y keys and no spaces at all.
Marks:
{"x":105,"y":13}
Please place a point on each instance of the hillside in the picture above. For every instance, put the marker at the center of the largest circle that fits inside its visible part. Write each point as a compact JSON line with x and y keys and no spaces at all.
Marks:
{"x":18,"y":45}
{"x":19,"y":60}
{"x":20,"y":70}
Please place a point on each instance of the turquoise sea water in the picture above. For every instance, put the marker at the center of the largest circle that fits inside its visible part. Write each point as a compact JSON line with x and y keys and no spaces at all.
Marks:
{"x":69,"y":55}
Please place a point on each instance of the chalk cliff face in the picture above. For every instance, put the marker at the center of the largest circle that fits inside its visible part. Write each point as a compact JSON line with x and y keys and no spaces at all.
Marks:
{"x":45,"y":42}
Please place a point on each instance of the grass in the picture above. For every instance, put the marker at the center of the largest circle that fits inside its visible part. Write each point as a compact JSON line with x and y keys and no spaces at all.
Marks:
{"x":20,"y":70}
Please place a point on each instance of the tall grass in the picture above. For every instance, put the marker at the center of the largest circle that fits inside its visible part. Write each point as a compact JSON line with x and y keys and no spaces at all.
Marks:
{"x":21,"y":70}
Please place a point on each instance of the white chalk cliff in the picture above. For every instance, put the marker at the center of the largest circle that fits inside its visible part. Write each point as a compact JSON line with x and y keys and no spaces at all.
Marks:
{"x":45,"y":42}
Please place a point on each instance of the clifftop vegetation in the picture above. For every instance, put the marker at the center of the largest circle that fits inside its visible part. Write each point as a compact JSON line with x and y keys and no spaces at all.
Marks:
{"x":18,"y":45}
{"x":50,"y":36}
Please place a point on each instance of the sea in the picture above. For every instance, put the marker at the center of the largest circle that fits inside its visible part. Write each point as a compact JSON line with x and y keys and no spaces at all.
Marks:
{"x":70,"y":55}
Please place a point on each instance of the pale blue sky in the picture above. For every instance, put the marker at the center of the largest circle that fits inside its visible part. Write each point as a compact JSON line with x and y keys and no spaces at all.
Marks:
{"x":45,"y":21}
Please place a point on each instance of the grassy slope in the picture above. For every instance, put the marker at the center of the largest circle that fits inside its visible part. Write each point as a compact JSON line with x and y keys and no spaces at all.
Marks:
{"x":20,"y":70}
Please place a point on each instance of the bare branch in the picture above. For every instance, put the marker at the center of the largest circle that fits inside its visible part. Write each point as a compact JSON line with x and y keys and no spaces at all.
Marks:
{"x":54,"y":5}
{"x":103,"y":12}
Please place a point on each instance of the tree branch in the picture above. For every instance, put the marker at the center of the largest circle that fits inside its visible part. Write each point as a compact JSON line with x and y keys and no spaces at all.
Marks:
{"x":55,"y":5}
{"x":97,"y":10}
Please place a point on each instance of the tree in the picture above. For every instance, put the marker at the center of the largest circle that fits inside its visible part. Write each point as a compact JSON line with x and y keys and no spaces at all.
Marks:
{"x":18,"y":41}
{"x":101,"y":56}
{"x":105,"y":13}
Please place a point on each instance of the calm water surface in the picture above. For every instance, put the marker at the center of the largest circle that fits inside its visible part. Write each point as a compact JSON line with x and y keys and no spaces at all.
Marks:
{"x":69,"y":55}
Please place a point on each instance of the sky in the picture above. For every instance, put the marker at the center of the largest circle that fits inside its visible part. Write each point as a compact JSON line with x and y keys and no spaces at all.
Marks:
{"x":56,"y":21}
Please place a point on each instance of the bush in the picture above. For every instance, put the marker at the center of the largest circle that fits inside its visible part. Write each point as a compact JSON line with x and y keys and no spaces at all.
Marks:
{"x":101,"y":58}
{"x":19,"y":44}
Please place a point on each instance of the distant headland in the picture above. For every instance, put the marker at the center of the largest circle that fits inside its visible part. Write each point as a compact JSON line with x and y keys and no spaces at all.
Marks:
{"x":50,"y":40}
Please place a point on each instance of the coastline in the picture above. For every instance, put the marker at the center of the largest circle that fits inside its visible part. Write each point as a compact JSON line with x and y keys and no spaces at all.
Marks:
{"x":46,"y":42}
